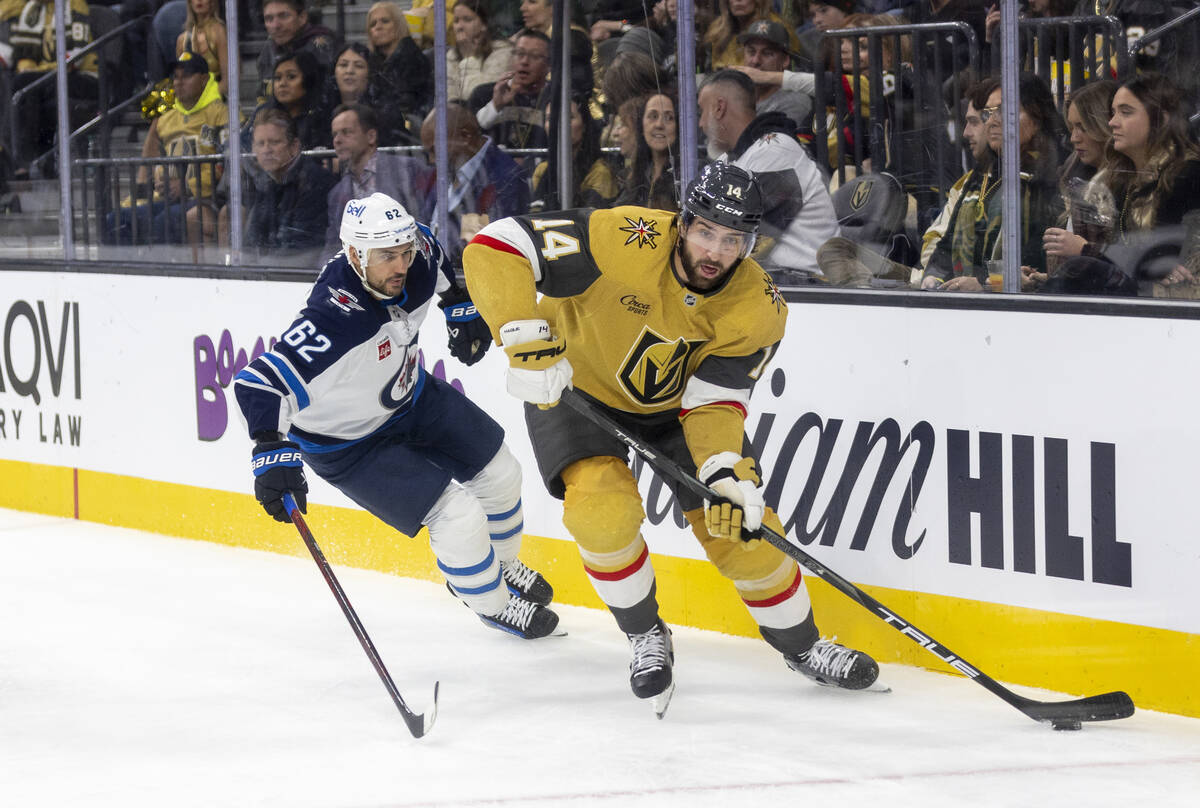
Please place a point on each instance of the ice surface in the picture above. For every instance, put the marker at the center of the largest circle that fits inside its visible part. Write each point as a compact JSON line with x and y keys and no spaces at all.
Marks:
{"x":140,"y":670}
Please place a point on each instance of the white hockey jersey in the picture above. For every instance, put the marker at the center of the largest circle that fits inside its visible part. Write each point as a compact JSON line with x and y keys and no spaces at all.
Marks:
{"x":349,"y":362}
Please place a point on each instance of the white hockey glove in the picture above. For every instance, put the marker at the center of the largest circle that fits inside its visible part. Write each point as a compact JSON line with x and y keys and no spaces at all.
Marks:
{"x":538,"y":369}
{"x":738,"y":513}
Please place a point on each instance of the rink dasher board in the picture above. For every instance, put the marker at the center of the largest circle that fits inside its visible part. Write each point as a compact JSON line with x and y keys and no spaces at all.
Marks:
{"x":948,"y":453}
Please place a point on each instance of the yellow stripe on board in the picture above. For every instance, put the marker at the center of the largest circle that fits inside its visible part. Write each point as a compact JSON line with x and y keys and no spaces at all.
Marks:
{"x":1059,"y":652}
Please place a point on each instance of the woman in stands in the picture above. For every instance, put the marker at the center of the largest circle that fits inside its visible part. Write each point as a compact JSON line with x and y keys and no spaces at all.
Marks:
{"x":478,"y":57}
{"x":592,"y":175}
{"x":720,"y":39}
{"x":652,"y":175}
{"x":538,"y":15}
{"x":351,"y":75}
{"x":204,"y":33}
{"x":297,"y":89}
{"x":401,"y":76}
{"x":1087,"y":118}
{"x":1152,"y":169}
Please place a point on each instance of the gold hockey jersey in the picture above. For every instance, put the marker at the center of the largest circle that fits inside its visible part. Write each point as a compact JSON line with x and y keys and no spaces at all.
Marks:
{"x":637,"y":339}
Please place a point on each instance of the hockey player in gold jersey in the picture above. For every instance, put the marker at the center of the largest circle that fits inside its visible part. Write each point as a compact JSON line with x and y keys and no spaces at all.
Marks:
{"x":662,"y":320}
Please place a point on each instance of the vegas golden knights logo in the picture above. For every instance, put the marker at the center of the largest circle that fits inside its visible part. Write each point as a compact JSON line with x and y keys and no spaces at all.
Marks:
{"x":861,"y":194}
{"x":656,"y":368}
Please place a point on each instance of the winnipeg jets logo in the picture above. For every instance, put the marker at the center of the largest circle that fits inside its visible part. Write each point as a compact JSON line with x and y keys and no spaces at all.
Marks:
{"x":641,"y":231}
{"x":344,"y":300}
{"x":772,"y":291}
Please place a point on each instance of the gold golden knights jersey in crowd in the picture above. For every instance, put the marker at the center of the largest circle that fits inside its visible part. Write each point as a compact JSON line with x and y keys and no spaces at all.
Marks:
{"x":637,"y":339}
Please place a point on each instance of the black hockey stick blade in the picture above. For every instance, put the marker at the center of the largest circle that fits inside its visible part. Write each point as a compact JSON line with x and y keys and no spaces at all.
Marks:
{"x":1105,"y":707}
{"x":1061,"y":714}
{"x":418,"y":725}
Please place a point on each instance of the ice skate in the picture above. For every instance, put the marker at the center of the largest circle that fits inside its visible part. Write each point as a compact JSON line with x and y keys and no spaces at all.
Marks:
{"x":526,"y":582}
{"x":650,"y":667}
{"x":833,"y":665}
{"x":525,"y":619}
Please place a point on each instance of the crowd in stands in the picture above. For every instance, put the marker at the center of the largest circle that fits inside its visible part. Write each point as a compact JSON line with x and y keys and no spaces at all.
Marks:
{"x":1108,"y":160}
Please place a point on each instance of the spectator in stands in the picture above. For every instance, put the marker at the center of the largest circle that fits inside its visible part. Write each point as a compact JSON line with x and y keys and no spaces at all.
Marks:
{"x":652,"y":175}
{"x":366,"y":170}
{"x":478,"y":56}
{"x":1087,"y":116}
{"x":32,"y":38}
{"x":351,"y":75}
{"x":287,"y":196}
{"x":487,"y":183}
{"x":798,"y":211}
{"x":592,"y":174}
{"x":538,"y":15}
{"x":848,"y":264}
{"x":297,"y":89}
{"x":401,"y":76}
{"x":1152,"y":169}
{"x":765,"y":48}
{"x":720,"y":39}
{"x":823,"y":16}
{"x":289,"y":32}
{"x":204,"y":33}
{"x":512,"y":110}
{"x":197,"y":124}
{"x":959,"y":262}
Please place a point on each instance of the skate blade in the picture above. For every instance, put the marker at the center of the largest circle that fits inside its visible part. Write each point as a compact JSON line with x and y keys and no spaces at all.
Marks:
{"x":662,"y":701}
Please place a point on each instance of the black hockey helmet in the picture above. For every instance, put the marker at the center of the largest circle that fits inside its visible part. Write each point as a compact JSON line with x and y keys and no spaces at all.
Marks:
{"x":727,"y":195}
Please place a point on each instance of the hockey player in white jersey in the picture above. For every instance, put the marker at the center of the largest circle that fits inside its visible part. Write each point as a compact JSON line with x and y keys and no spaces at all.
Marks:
{"x":344,"y":390}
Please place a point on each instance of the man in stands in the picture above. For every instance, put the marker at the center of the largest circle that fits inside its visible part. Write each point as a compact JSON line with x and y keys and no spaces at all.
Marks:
{"x":765,"y":47}
{"x":286,"y":215}
{"x":798,"y":212}
{"x":365,"y":170}
{"x":32,"y":54}
{"x":511,"y":110}
{"x":197,"y":124}
{"x":289,"y":31}
{"x":486,"y":184}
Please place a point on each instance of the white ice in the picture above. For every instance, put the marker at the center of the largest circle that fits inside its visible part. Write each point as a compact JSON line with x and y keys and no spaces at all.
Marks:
{"x":140,"y":670}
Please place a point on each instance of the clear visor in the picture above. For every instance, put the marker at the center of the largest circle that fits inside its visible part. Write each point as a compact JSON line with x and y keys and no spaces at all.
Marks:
{"x":722,"y":242}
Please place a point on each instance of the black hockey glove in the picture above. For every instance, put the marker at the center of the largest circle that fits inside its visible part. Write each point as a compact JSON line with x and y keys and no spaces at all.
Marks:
{"x":469,"y":335}
{"x":277,"y":470}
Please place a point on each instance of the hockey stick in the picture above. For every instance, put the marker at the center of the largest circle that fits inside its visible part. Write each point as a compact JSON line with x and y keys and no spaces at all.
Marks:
{"x":418,"y":725}
{"x":1059,"y":714}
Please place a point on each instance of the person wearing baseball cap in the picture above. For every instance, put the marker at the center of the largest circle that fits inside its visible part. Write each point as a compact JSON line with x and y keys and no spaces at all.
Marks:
{"x":766,"y":47}
{"x":191,"y":63}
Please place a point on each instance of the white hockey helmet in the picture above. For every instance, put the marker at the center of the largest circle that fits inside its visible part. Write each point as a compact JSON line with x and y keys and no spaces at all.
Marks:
{"x":374,"y":222}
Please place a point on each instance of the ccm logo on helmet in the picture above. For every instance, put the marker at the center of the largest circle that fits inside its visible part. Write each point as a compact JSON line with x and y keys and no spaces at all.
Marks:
{"x":727,"y":209}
